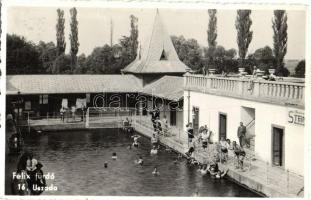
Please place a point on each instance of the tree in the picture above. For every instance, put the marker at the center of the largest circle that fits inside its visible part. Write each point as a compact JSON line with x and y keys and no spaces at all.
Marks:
{"x":47,"y":55}
{"x":279,"y":26}
{"x":224,"y":60}
{"x":60,"y":32}
{"x":62,"y":65}
{"x":133,"y":37}
{"x":300,"y":70}
{"x":74,"y":43}
{"x":103,"y":60}
{"x":262,"y":58}
{"x":244,"y":34}
{"x":22,"y":56}
{"x":81,"y":69}
{"x":189,"y":52}
{"x":211,"y":35}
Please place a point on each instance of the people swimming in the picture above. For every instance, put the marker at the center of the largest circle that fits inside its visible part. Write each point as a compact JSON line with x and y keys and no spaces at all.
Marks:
{"x":140,"y":161}
{"x":154,"y":140}
{"x":135,"y":140}
{"x":114,"y":156}
{"x":154,"y":150}
{"x":155,"y":172}
{"x":106,"y":165}
{"x":215,"y":172}
{"x":220,"y":174}
{"x":204,"y":169}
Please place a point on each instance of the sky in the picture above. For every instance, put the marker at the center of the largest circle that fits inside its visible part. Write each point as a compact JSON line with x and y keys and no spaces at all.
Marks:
{"x":38,"y":23}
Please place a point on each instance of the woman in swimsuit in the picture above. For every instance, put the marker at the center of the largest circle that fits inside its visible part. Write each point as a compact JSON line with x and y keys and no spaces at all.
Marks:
{"x":154,"y":150}
{"x":135,"y":142}
{"x":156,"y":172}
{"x":114,"y":156}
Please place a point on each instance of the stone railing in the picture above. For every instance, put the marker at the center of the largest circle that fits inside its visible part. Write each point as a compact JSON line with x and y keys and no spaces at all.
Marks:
{"x":279,"y":92}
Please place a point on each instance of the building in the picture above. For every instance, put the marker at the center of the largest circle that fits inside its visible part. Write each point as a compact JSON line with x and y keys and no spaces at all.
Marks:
{"x":156,"y":57}
{"x":154,"y":78}
{"x":272,"y":111}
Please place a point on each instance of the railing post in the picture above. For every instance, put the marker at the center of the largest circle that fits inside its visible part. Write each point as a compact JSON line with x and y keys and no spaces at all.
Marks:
{"x":28,"y":121}
{"x":47,"y":117}
{"x":256,"y":89}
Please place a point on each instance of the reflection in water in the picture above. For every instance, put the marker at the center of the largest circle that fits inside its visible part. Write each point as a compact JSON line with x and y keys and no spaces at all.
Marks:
{"x":77,"y":160}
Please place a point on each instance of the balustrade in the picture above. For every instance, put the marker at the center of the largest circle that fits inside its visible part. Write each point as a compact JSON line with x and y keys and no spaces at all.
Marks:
{"x":258,"y":89}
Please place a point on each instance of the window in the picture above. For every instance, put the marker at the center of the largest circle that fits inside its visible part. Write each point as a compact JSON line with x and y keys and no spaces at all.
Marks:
{"x":27,"y":105}
{"x":163,"y":55}
{"x":43,"y":99}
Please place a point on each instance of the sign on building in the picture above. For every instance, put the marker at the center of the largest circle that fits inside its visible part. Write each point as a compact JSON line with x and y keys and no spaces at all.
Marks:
{"x":296,"y":117}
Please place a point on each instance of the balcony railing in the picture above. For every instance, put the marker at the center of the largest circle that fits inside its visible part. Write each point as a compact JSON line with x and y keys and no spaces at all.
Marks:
{"x":279,"y":92}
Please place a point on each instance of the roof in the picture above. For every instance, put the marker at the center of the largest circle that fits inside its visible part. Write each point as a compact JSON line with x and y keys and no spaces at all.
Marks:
{"x":158,"y":45}
{"x":168,"y":87}
{"x":61,"y":84}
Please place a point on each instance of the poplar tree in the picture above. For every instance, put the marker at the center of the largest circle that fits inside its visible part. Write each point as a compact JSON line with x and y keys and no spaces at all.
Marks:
{"x":134,"y":37}
{"x":60,"y":33}
{"x":74,"y":43}
{"x":211,"y":35}
{"x":279,"y":26}
{"x":244,"y":34}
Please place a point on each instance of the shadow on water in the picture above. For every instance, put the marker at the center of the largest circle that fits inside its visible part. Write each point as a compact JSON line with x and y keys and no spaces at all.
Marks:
{"x":77,"y":160}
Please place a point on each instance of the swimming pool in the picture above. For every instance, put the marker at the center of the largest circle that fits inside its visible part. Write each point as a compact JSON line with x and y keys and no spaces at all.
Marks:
{"x":76,"y":158}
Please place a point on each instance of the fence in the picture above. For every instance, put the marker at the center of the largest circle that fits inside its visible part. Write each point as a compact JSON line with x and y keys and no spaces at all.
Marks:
{"x":255,"y":89}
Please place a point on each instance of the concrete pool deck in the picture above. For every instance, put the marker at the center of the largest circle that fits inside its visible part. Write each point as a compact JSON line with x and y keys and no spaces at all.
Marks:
{"x":258,"y":176}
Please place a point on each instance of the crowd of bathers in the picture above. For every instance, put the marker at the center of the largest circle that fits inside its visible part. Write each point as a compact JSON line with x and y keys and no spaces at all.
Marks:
{"x":220,"y":151}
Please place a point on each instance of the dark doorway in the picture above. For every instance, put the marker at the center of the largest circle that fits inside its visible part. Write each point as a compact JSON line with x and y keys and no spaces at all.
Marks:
{"x":222,"y":125}
{"x":277,"y":146}
{"x":173,"y":117}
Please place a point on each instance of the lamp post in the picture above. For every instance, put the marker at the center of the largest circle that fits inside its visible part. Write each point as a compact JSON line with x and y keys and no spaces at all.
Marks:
{"x":18,"y":105}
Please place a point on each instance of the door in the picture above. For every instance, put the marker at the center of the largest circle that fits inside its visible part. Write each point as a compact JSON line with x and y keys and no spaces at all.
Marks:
{"x":173,"y":117}
{"x":277,"y":146}
{"x":222,"y":126}
{"x":195,"y":120}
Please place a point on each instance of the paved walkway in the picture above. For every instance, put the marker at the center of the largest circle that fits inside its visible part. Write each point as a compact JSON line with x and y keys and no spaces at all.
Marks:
{"x":257,"y":175}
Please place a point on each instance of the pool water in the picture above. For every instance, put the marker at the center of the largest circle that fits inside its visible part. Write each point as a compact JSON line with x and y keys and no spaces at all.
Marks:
{"x":77,"y":160}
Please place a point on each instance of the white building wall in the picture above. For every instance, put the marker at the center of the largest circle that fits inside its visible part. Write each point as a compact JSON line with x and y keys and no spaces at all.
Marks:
{"x":266,"y":115}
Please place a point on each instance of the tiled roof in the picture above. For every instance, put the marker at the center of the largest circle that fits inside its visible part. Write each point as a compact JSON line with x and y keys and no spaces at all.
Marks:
{"x":60,"y":84}
{"x":148,"y":58}
{"x":167,"y":87}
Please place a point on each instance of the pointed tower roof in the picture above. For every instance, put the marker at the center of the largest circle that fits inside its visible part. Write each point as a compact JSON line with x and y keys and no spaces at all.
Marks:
{"x":157,"y":54}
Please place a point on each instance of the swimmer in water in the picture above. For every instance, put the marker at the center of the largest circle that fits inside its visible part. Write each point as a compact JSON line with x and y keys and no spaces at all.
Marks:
{"x":221,"y":174}
{"x":139,"y":161}
{"x":114,"y":156}
{"x":135,"y":140}
{"x":105,"y":164}
{"x":154,"y":150}
{"x":155,"y":172}
{"x":204,"y":170}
